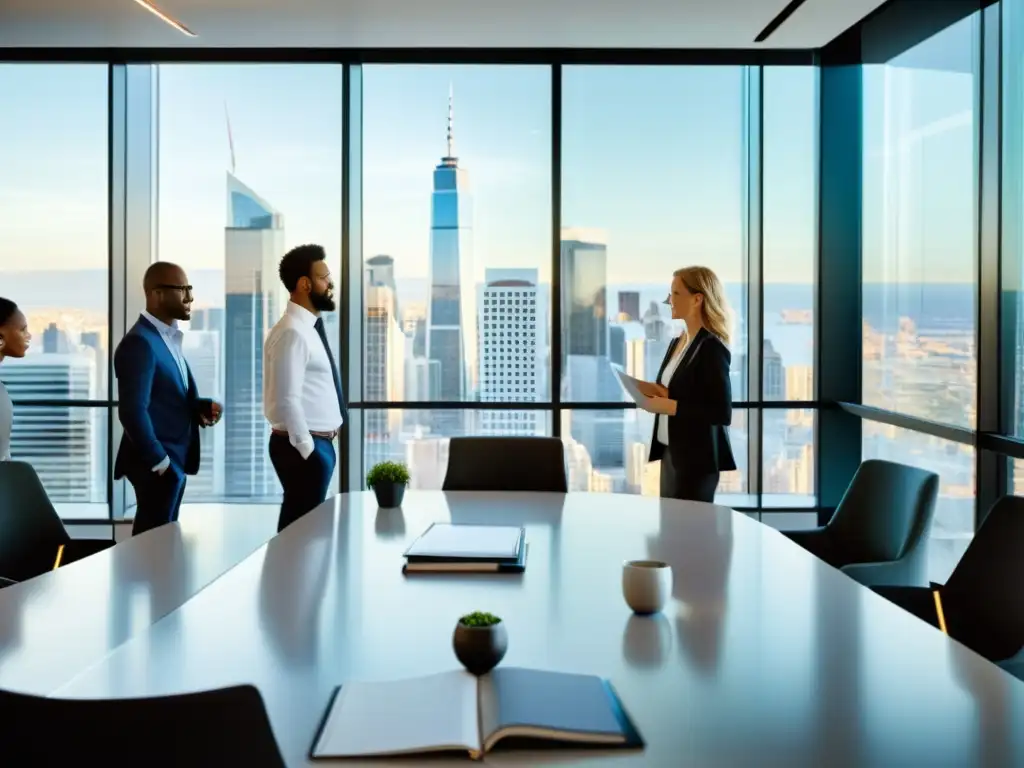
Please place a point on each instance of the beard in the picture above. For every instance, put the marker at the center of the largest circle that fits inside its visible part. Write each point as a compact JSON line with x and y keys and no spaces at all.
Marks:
{"x":323,"y":302}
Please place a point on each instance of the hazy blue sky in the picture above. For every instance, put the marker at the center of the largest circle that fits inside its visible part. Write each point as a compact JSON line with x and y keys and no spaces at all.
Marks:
{"x":651,"y":156}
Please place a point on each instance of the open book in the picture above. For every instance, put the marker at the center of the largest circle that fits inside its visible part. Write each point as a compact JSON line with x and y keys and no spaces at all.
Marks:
{"x":456,"y":711}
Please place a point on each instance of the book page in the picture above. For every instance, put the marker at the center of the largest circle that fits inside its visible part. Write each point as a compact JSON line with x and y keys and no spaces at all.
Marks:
{"x":422,"y":714}
{"x":554,"y":705}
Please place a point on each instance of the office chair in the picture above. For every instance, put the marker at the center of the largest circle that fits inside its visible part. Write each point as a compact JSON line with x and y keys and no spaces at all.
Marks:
{"x":981,"y":601}
{"x":228,"y":726}
{"x":506,"y":464}
{"x":33,"y":539}
{"x":878,"y":534}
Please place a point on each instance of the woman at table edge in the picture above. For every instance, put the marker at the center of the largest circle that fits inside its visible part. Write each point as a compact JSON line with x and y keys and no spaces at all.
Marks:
{"x":14,"y":342}
{"x":691,"y":396}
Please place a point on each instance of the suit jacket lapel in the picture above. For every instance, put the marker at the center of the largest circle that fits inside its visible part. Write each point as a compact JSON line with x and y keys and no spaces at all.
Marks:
{"x":694,"y":348}
{"x":163,"y":352}
{"x":668,"y":356}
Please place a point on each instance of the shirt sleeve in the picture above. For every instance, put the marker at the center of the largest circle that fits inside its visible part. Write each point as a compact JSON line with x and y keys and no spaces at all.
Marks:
{"x":286,"y":371}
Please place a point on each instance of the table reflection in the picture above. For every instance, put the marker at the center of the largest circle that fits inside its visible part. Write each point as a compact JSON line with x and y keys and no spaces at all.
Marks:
{"x":698,"y":545}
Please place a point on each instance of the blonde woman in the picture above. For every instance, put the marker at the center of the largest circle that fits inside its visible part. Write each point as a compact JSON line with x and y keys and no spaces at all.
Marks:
{"x":692,"y":396}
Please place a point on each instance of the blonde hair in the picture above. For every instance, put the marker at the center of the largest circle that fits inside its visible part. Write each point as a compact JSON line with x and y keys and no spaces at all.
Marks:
{"x":714,"y":310}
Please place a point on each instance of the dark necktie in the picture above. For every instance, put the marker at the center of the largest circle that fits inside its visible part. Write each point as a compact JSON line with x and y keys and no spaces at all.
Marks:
{"x":319,"y":325}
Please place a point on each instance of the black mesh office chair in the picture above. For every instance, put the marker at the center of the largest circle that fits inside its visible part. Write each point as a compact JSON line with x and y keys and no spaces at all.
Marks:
{"x":981,"y":601}
{"x":33,"y":539}
{"x":506,"y":464}
{"x":878,"y":534}
{"x":216,"y":728}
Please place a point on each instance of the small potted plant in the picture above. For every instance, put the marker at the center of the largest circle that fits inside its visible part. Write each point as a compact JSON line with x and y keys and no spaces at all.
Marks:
{"x":480,"y":642}
{"x":388,"y":480}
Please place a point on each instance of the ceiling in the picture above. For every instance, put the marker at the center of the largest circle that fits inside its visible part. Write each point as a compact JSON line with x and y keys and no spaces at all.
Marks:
{"x":425,"y":23}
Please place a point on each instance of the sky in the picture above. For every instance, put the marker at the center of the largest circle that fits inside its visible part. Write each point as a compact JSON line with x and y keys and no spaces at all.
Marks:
{"x":652,"y":156}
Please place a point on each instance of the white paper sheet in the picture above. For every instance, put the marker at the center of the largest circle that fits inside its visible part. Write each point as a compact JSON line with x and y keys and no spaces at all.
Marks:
{"x":632,"y":388}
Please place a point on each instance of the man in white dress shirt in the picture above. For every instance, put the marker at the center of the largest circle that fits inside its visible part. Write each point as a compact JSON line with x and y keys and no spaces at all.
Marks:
{"x":302,"y":394}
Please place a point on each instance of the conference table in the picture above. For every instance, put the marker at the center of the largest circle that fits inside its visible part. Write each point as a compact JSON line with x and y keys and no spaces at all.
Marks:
{"x":60,"y":623}
{"x":765,"y":655}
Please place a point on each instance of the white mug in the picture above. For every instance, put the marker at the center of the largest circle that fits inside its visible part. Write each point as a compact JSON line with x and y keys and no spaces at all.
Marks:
{"x":646,"y":585}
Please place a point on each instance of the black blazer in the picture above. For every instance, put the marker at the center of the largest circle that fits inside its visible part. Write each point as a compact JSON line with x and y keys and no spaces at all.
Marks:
{"x":697,"y":436}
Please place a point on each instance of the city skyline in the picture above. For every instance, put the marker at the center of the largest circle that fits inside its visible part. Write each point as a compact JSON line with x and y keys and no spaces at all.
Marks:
{"x":504,"y":141}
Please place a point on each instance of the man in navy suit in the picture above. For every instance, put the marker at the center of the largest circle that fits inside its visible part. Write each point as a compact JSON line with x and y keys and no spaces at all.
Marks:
{"x":158,"y":403}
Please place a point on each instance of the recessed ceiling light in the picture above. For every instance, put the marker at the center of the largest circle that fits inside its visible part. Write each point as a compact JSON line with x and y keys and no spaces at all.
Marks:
{"x":173,"y":22}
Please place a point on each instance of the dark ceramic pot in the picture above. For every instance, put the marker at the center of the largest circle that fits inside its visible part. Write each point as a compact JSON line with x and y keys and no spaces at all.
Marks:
{"x":480,"y":649}
{"x":389,"y":495}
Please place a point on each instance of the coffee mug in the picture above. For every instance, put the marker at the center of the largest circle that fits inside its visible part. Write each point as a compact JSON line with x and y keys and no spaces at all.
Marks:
{"x":646,"y":585}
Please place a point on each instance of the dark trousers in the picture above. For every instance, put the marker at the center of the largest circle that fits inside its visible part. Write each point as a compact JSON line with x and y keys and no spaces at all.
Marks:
{"x":305,"y":481}
{"x":679,"y":483}
{"x":158,"y":497}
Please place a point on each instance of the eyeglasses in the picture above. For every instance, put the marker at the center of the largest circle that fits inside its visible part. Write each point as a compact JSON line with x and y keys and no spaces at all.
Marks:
{"x":182,"y":288}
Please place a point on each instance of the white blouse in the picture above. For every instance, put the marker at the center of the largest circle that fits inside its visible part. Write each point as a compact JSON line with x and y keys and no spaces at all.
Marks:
{"x":666,"y":376}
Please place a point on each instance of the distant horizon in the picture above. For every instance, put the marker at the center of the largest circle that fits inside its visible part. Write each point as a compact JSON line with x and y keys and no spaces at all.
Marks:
{"x":100,"y":270}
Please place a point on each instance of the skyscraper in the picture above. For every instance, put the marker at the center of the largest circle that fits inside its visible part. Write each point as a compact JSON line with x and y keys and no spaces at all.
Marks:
{"x":384,"y":363}
{"x":451,"y":306}
{"x":629,"y":305}
{"x":511,"y":340}
{"x":65,"y":444}
{"x":254,"y":239}
{"x":584,"y":288}
{"x":202,"y":351}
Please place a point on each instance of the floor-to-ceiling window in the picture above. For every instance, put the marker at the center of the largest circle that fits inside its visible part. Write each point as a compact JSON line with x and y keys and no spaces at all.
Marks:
{"x":790,"y":173}
{"x":248,"y":164}
{"x":653,"y":179}
{"x":920,"y":244}
{"x":455,"y":260}
{"x":1013,"y":221}
{"x":53,"y":262}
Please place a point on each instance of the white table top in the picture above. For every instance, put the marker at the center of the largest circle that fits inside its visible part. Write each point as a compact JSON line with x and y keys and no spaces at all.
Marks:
{"x":55,"y":625}
{"x":766,"y":656}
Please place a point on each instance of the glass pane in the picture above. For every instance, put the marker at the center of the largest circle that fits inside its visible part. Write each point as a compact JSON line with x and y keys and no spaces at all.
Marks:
{"x":67,"y":446}
{"x":53,"y":222}
{"x":1013,"y":202}
{"x":919,"y":232}
{"x":249,"y":166}
{"x":457,"y":234}
{"x":652,"y":180}
{"x":788,"y":458}
{"x":607,"y":451}
{"x":953,"y":525}
{"x":419,"y":438}
{"x":790,"y":168}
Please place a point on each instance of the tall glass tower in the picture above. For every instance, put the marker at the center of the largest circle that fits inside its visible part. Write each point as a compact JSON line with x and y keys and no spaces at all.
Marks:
{"x":254,"y":300}
{"x":451,"y":309}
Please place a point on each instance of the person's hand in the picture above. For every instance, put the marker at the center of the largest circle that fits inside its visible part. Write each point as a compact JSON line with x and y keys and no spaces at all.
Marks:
{"x":661,"y":406}
{"x":213,"y":414}
{"x":651,"y":389}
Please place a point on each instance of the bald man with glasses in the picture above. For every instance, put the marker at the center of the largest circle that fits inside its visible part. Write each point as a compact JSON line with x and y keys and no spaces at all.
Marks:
{"x":158,"y":403}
